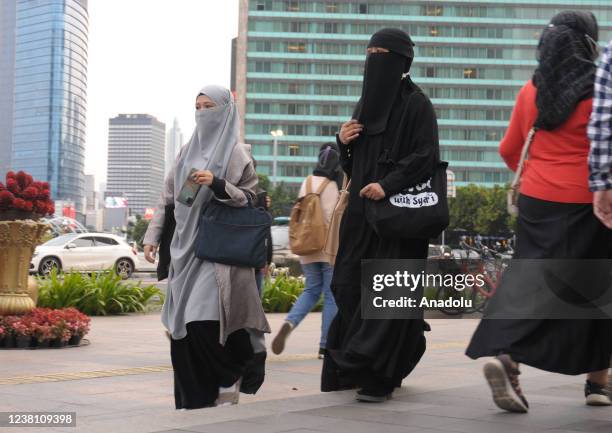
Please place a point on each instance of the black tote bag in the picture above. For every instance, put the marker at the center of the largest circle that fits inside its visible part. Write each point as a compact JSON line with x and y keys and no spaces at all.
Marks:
{"x":418,"y":212}
{"x":236,"y":236}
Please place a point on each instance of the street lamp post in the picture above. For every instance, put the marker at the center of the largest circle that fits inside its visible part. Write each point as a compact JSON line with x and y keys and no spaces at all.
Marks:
{"x":275,"y":134}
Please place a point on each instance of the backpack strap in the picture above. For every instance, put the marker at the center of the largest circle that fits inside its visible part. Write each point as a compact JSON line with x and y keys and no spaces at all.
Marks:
{"x":308,"y":185}
{"x":322,"y":186}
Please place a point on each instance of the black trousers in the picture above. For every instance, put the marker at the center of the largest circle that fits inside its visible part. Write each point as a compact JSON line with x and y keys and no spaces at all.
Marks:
{"x":201,"y":365}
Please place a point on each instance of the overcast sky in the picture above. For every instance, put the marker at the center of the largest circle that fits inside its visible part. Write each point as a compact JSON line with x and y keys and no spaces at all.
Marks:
{"x":153,"y":56}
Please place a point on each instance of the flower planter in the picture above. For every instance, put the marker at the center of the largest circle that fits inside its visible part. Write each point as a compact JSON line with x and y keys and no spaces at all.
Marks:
{"x":75,"y":340}
{"x":18,"y":215}
{"x":22,"y":341}
{"x":57,"y":342}
{"x":42,"y":344}
{"x":2,"y":341}
{"x":17,"y":242}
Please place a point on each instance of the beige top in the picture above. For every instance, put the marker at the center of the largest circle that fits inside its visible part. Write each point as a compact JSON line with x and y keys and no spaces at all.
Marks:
{"x":329,"y":198}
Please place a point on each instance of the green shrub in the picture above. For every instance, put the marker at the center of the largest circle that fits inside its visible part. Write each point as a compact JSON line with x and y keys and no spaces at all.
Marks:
{"x":98,"y":294}
{"x":281,"y":293}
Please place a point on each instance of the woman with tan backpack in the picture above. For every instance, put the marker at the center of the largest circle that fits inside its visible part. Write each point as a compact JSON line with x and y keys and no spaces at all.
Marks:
{"x":310,"y":218}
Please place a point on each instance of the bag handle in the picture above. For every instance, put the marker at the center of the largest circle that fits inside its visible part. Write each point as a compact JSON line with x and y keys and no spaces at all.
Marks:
{"x":524,"y":152}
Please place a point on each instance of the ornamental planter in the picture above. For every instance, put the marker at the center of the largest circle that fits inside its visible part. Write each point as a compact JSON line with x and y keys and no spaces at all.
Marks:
{"x":18,"y":238}
{"x":75,"y":340}
{"x":22,"y":341}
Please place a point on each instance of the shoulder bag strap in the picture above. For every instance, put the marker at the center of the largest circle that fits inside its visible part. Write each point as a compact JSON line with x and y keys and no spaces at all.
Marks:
{"x":524,"y":156}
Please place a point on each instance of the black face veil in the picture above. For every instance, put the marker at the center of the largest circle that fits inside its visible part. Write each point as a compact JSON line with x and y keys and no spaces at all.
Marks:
{"x":383,"y":78}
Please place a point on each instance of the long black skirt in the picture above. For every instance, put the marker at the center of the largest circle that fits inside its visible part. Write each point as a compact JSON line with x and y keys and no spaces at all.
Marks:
{"x":372,"y":354}
{"x":202,"y":365}
{"x":552,"y":230}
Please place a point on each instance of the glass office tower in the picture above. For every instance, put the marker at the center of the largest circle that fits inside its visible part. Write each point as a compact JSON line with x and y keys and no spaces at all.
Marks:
{"x":48,"y":138}
{"x":299,"y":69}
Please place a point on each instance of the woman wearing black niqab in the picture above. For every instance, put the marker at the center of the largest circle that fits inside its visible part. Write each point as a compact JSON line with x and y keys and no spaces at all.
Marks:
{"x":393,"y":113}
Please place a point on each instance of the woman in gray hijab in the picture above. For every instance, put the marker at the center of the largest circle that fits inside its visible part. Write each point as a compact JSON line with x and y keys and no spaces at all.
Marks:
{"x":212,"y":311}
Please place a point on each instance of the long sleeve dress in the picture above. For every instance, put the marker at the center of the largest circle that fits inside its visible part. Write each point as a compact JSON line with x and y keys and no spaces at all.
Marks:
{"x":379,"y":353}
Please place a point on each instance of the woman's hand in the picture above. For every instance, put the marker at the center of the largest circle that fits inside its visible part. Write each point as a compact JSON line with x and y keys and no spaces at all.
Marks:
{"x":149,"y":253}
{"x":372,"y":191}
{"x":203,"y":177}
{"x":349,"y":131}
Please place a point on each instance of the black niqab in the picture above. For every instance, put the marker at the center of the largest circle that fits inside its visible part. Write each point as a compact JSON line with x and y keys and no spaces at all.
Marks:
{"x":383,"y":78}
{"x":566,"y":72}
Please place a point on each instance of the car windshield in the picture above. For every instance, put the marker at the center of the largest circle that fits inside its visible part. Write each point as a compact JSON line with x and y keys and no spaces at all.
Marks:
{"x":60,"y":240}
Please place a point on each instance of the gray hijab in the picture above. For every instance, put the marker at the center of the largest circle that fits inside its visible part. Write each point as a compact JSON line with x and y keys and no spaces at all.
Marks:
{"x":193,"y":293}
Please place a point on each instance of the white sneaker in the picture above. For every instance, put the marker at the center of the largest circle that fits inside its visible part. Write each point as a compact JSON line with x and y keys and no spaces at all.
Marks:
{"x":229,"y":396}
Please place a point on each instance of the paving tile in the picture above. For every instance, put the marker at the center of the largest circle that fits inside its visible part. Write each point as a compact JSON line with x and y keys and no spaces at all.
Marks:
{"x":591,"y":426}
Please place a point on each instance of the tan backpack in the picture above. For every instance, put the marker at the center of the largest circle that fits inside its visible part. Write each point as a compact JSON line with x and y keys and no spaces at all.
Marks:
{"x":307,"y":228}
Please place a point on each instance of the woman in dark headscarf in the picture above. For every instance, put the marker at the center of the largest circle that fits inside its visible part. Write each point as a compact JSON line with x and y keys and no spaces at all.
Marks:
{"x":390,"y":144}
{"x":555,"y":221}
{"x":316,"y":267}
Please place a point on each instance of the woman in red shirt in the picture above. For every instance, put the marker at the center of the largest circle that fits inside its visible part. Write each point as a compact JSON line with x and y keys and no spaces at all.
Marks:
{"x":555,"y":221}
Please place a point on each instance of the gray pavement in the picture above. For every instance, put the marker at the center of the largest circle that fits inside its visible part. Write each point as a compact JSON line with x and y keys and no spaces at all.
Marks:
{"x":122,"y":382}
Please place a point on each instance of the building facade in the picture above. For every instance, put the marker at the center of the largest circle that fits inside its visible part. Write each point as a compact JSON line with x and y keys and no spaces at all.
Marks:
{"x":7,"y":83}
{"x":299,"y":68}
{"x":49,"y":94}
{"x":174,"y":142}
{"x":136,"y":160}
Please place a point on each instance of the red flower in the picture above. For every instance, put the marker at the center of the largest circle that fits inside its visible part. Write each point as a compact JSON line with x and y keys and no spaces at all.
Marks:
{"x":51,"y":209}
{"x":22,"y":179}
{"x":30,"y":193}
{"x":45,"y":185}
{"x":2,"y":187}
{"x":44,"y":194}
{"x":6,"y":199}
{"x":13,"y":186}
{"x":19,"y":204}
{"x":28,"y":206}
{"x":10,"y":175}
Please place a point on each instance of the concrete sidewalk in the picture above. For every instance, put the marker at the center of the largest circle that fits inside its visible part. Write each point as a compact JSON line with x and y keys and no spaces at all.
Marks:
{"x":122,"y":382}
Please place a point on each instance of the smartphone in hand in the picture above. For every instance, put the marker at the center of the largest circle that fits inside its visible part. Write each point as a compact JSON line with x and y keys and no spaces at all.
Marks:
{"x":189,"y":190}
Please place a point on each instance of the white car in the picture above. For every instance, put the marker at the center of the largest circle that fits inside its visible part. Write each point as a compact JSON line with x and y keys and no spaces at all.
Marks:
{"x":85,"y":252}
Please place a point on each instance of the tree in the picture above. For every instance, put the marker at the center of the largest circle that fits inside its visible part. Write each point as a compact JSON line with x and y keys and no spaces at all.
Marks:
{"x":481,"y":210}
{"x":282,"y":197}
{"x":137,"y":230}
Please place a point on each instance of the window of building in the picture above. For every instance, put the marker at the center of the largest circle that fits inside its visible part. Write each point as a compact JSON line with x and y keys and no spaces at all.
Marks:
{"x":331,"y":8}
{"x":292,"y":88}
{"x":296,"y":47}
{"x":433,"y":31}
{"x":292,"y":6}
{"x":294,"y":149}
{"x":434,"y":11}
{"x":469,"y":73}
{"x":363,"y":8}
{"x":261,"y":6}
{"x":330,"y":28}
{"x":430,"y":72}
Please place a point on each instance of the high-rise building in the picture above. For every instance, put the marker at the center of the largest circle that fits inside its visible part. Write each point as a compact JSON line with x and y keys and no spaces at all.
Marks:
{"x":43,"y":82}
{"x":299,"y":68}
{"x":174,"y":142}
{"x":135,"y":160}
{"x":7,"y":83}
